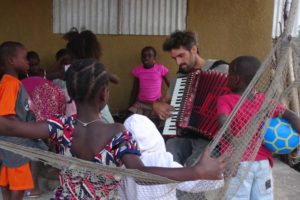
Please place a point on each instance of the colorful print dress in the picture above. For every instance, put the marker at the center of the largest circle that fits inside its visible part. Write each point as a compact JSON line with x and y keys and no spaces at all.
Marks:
{"x":77,"y":185}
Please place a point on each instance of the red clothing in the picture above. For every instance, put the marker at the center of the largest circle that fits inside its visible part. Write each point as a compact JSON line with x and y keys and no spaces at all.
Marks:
{"x":250,"y":107}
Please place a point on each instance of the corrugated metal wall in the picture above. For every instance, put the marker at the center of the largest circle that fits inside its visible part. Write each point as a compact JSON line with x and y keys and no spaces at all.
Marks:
{"x":129,"y":17}
{"x":96,"y":15}
{"x":153,"y":17}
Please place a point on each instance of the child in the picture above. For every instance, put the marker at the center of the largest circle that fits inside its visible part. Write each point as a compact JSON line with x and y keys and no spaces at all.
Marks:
{"x":46,"y":99}
{"x":85,"y":45}
{"x":153,"y":153}
{"x":149,"y":77}
{"x":34,"y":65}
{"x":15,"y":175}
{"x":259,"y":182}
{"x":92,"y":140}
{"x":63,"y":58}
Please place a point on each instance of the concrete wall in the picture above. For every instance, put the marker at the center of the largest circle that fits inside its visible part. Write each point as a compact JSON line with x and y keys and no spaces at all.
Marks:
{"x":226,"y":29}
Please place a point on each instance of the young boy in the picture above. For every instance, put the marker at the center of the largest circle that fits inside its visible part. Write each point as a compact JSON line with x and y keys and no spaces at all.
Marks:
{"x":34,"y":65}
{"x":15,"y":175}
{"x":258,"y":183}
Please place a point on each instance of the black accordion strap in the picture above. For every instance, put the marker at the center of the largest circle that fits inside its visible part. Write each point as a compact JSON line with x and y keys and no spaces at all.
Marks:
{"x":217,"y":63}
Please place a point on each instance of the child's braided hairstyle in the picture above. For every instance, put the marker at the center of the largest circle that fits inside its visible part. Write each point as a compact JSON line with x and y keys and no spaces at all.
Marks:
{"x":84,"y":78}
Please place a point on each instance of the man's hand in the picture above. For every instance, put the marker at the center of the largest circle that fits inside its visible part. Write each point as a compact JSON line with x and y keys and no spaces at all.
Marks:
{"x":163,"y":110}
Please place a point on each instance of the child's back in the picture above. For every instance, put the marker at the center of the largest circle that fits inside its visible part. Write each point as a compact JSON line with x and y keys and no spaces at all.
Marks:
{"x":85,"y":136}
{"x":253,"y":179}
{"x":249,"y":108}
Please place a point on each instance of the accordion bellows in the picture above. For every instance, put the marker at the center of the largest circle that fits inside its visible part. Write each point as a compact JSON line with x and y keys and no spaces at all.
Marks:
{"x":198,"y":112}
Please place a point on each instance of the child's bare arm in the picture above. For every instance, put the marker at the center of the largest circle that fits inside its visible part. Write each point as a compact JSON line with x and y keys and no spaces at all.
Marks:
{"x":167,"y":80}
{"x":293,"y":118}
{"x":206,"y":168}
{"x":9,"y":126}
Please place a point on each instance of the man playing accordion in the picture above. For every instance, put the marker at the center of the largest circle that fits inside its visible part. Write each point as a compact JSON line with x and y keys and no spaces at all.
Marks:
{"x":182,"y":46}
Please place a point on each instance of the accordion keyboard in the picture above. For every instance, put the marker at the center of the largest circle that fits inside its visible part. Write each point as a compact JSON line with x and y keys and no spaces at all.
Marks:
{"x":170,"y":124}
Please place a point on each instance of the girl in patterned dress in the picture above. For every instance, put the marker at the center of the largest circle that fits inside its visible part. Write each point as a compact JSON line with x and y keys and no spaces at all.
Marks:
{"x":84,"y":136}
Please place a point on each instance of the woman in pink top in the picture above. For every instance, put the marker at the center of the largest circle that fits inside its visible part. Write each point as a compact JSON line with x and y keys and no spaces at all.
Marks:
{"x":149,"y":77}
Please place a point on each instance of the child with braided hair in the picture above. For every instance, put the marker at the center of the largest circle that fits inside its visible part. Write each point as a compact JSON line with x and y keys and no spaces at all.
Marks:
{"x":86,"y":137}
{"x":83,"y":45}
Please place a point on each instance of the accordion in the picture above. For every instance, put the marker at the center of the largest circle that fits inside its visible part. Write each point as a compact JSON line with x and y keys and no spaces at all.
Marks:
{"x":194,"y":99}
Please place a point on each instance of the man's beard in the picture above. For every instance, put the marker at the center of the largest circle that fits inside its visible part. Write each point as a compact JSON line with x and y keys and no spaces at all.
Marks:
{"x":187,"y":69}
{"x":182,"y":71}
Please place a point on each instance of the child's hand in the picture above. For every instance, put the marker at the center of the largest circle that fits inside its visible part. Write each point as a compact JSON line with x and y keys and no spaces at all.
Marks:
{"x":295,"y":153}
{"x":210,"y":168}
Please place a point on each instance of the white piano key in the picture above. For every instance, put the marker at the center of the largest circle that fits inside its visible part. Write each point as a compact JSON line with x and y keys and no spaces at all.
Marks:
{"x":170,"y":124}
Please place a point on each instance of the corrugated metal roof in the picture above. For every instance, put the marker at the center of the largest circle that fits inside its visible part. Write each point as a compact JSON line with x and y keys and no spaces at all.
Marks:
{"x":130,"y":17}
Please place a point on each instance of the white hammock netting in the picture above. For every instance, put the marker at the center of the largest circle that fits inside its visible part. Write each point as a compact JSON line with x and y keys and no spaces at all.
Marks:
{"x":278,"y":79}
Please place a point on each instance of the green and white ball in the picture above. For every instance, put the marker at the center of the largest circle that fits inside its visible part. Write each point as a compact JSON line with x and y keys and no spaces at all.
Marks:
{"x":280,"y":137}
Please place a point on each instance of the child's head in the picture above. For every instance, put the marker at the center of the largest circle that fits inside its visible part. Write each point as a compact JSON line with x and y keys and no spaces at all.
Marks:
{"x":13,"y":55}
{"x":34,"y":64}
{"x":64,"y":55}
{"x":241,"y":71}
{"x":33,"y":58}
{"x":87,"y":81}
{"x":83,"y":45}
{"x":148,"y":56}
